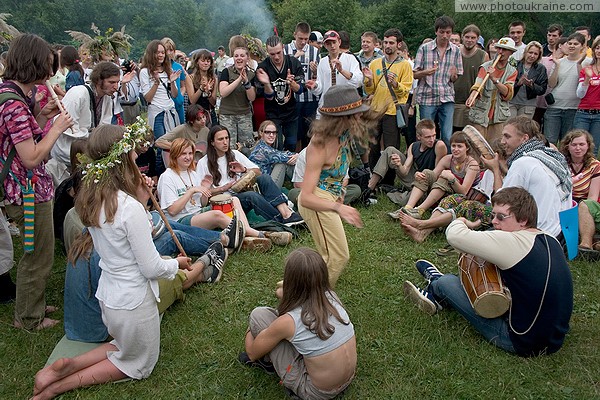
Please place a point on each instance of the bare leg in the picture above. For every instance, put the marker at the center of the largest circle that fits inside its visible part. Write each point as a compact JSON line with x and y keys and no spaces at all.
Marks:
{"x":415,"y":196}
{"x":66,"y":367}
{"x":211,"y":220}
{"x":250,"y":232}
{"x":374,"y":181}
{"x":587,"y":227}
{"x":284,"y":210}
{"x":432,"y":198}
{"x":194,"y":276}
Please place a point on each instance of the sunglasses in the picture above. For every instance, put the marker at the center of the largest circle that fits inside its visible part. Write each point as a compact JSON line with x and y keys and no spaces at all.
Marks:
{"x":270,"y":132}
{"x":500,"y":217}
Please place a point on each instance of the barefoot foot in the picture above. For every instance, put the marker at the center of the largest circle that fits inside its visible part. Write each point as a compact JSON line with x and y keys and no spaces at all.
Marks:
{"x":46,"y":323}
{"x":415,"y":234}
{"x":52,"y":373}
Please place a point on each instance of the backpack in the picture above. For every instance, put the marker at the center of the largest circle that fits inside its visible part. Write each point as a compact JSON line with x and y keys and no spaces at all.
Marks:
{"x":4,"y":97}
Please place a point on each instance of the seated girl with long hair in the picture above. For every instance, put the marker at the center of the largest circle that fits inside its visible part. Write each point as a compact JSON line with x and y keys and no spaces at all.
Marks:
{"x":184,"y":197}
{"x":308,"y":340}
{"x":111,"y":205}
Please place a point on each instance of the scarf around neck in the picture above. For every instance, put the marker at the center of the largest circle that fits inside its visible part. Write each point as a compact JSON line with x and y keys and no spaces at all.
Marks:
{"x":553,"y":159}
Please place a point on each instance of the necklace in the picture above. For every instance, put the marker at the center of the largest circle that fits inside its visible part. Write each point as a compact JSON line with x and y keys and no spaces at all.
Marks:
{"x":188,"y":187}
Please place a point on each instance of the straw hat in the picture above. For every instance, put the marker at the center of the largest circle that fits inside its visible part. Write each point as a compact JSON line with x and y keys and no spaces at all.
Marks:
{"x":506,"y":43}
{"x":342,"y":100}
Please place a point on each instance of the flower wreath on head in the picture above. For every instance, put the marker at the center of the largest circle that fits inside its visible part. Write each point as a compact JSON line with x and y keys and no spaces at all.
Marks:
{"x":135,"y":136}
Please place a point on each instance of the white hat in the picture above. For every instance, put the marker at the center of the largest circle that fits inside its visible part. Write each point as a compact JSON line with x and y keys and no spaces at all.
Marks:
{"x":506,"y":43}
{"x":316,"y":36}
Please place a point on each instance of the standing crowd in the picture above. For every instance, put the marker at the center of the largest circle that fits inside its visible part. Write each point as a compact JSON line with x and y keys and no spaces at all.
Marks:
{"x":236,"y":153}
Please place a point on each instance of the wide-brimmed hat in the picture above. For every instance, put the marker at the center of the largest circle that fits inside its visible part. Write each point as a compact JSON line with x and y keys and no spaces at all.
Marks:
{"x":506,"y":43}
{"x":342,"y":100}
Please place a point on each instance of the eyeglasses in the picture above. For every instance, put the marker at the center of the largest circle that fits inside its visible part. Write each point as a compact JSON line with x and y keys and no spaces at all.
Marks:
{"x":500,"y":217}
{"x":269,"y":132}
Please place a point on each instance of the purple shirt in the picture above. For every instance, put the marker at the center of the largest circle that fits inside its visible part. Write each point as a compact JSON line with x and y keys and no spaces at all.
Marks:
{"x":17,"y":124}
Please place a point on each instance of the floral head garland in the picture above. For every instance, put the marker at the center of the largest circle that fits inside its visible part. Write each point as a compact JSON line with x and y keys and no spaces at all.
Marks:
{"x":112,"y":42}
{"x":135,"y":136}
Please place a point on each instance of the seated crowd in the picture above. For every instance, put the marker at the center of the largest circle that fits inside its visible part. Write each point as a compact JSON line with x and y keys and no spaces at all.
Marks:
{"x":236,"y":153}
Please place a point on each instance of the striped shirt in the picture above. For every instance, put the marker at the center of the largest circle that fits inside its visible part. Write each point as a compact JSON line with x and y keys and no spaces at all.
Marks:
{"x":436,"y":89}
{"x":310,"y":54}
{"x":582,"y":180}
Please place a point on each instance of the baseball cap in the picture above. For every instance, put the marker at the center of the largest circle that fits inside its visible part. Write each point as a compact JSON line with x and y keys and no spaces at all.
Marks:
{"x":331,"y":35}
{"x":316,"y":36}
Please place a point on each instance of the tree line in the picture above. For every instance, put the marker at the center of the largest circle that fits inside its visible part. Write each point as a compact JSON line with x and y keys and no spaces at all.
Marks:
{"x":207,"y":24}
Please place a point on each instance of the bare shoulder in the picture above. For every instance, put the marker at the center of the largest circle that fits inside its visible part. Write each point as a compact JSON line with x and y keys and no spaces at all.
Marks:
{"x":440,"y":146}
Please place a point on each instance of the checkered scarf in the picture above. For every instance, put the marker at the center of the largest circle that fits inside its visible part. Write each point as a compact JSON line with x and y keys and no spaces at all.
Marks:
{"x":553,"y":159}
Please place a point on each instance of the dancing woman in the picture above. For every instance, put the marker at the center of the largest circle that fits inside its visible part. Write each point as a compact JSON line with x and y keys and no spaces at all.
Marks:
{"x":328,"y":157}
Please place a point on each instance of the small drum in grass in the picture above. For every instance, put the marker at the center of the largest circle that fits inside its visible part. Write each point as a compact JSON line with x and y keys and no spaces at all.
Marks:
{"x":483,"y":285}
{"x":476,"y":195}
{"x":222,"y":202}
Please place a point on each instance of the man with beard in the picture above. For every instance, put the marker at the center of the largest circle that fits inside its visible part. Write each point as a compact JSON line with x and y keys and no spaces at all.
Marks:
{"x":472,"y":58}
{"x":89,"y":106}
{"x":389,"y":80}
{"x":489,"y":107}
{"x":540,"y":170}
{"x":282,"y":76}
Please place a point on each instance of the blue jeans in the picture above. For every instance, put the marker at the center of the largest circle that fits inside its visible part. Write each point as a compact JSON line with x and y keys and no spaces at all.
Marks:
{"x":287,"y":133}
{"x":159,"y":130}
{"x":557,"y":122}
{"x":81,"y":282}
{"x":306,"y":114}
{"x":589,"y":122}
{"x":449,"y":291}
{"x":265,"y":202}
{"x":445,"y":115}
{"x":194,"y":240}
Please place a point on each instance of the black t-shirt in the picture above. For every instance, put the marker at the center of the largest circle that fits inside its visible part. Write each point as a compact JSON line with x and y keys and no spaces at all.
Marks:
{"x":283,"y":105}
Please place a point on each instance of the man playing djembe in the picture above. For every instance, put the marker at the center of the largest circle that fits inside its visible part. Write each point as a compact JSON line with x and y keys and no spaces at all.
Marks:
{"x":532,"y":265}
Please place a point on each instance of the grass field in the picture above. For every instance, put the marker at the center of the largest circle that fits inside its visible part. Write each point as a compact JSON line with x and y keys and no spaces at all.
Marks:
{"x":402,"y":353}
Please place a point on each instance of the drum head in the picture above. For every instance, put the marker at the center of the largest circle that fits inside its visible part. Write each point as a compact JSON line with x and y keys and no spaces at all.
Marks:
{"x":220,"y":198}
{"x":491,"y":304}
{"x":478,"y":142}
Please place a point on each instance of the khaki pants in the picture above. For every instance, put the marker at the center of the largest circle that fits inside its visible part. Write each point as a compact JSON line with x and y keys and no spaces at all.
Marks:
{"x":288,"y":363}
{"x":329,"y":235}
{"x":384,"y":164}
{"x":430,"y":182}
{"x":34,"y":268}
{"x":492,"y":132}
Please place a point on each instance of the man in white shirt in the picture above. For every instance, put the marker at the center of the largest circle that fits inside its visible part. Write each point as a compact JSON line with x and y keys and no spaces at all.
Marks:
{"x":540,"y":170}
{"x":306,"y":102}
{"x":89,"y":106}
{"x":516,"y":31}
{"x":337,"y":68}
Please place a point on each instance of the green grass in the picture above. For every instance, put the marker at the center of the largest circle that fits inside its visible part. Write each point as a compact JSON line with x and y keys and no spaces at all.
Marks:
{"x":402,"y":353}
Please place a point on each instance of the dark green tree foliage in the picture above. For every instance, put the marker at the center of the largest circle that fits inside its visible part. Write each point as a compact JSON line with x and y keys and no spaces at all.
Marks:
{"x":208,"y":23}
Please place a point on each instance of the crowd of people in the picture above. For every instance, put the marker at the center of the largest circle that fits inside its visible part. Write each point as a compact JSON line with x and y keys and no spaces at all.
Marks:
{"x":237,"y":152}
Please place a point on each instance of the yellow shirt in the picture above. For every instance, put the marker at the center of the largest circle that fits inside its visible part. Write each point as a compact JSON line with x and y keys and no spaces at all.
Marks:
{"x":379,"y":88}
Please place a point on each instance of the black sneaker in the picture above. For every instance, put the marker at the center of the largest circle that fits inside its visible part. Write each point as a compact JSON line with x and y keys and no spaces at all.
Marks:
{"x":235,"y":232}
{"x":214,"y":260}
{"x":294,"y":219}
{"x":260,"y":363}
